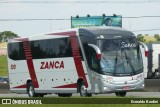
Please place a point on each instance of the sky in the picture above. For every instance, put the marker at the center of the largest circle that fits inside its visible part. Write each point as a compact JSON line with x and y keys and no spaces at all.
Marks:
{"x":64,"y":9}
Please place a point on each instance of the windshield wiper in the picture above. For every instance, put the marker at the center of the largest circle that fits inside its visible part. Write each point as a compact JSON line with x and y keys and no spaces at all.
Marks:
{"x":126,"y":56}
{"x":116,"y":60}
{"x":129,"y":62}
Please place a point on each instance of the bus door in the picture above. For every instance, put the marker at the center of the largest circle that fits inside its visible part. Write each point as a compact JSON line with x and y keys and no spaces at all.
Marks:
{"x":94,"y":56}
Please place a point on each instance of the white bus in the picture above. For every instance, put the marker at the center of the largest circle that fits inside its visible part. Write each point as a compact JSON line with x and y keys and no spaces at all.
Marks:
{"x":82,"y":60}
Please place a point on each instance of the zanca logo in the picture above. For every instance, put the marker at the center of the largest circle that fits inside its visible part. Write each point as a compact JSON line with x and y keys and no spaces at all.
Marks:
{"x":128,"y":45}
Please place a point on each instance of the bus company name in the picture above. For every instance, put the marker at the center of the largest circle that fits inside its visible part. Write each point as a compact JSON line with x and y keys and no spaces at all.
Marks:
{"x":52,"y":65}
{"x":128,"y":45}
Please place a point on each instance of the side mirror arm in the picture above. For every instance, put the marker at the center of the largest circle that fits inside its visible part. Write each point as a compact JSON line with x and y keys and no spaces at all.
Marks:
{"x":96,"y":48}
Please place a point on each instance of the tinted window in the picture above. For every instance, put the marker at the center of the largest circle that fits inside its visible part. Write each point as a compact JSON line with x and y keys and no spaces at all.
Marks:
{"x":42,"y":49}
{"x":16,"y":51}
{"x":85,"y":40}
{"x":51,"y":48}
{"x":93,"y":62}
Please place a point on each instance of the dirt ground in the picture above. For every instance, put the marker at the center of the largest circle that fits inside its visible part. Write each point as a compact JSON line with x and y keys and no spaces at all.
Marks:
{"x":3,"y":51}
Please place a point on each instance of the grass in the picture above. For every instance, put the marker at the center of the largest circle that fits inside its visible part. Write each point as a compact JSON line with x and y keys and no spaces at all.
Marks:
{"x":3,"y":66}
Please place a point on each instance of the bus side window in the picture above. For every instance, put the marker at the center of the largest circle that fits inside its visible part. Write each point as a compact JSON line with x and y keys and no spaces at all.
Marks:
{"x":62,"y":48}
{"x":51,"y":48}
{"x":16,"y":51}
{"x":94,"y":64}
{"x":92,"y":60}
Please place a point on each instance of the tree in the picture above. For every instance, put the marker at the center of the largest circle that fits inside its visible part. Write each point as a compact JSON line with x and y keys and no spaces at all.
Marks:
{"x":157,"y":37}
{"x":140,"y":37}
{"x":4,"y":36}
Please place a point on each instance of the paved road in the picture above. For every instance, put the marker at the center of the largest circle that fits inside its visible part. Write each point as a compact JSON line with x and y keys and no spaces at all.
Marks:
{"x":4,"y":92}
{"x":129,"y":94}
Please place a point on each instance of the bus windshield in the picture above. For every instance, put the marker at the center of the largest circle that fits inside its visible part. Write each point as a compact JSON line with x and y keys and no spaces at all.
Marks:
{"x":120,"y":57}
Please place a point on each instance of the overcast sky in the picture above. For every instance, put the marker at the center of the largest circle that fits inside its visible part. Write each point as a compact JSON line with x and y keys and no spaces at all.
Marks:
{"x":64,"y":10}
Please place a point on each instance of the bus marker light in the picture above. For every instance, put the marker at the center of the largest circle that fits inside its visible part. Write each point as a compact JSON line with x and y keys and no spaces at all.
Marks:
{"x":109,"y":78}
{"x":146,"y":53}
{"x":99,"y":56}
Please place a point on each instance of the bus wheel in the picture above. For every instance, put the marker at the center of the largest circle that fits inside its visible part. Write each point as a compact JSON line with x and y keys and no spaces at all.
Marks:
{"x":121,"y":94}
{"x":65,"y":95}
{"x":89,"y":95}
{"x":83,"y":90}
{"x":156,"y":75}
{"x":68,"y":95}
{"x":30,"y":90}
{"x":40,"y":95}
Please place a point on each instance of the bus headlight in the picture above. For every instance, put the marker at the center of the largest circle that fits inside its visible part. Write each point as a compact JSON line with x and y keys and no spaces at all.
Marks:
{"x":105,"y":88}
{"x":107,"y":79}
{"x":140,"y":77}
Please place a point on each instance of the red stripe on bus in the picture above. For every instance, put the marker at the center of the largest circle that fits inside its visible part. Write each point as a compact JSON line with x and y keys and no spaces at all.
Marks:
{"x":32,"y":73}
{"x":21,"y":86}
{"x":30,"y":65}
{"x":28,"y":53}
{"x":76,"y":53}
{"x":74,"y":85}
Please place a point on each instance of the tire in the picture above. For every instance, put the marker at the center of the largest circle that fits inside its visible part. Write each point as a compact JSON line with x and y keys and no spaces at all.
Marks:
{"x":65,"y":95}
{"x":60,"y":95}
{"x":121,"y":94}
{"x":83,"y":90}
{"x":150,"y":75}
{"x":68,"y":95}
{"x":156,"y":75}
{"x":89,"y":95}
{"x":30,"y":90}
{"x":40,"y":95}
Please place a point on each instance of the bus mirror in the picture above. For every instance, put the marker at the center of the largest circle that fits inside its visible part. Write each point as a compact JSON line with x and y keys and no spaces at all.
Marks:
{"x":145,"y":48}
{"x":98,"y":52}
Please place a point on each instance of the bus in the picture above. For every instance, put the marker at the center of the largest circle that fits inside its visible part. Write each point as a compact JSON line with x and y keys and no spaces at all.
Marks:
{"x":88,"y":61}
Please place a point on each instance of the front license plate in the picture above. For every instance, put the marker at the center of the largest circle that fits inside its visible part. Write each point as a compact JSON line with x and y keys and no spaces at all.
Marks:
{"x":126,"y":88}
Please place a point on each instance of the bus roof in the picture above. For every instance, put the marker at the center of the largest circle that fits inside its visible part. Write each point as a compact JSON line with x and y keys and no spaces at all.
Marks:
{"x":94,"y":31}
{"x":41,"y":37}
{"x":107,"y":31}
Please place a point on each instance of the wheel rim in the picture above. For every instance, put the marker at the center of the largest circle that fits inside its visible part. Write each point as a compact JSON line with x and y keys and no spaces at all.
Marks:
{"x":31,"y":91}
{"x":83,"y":90}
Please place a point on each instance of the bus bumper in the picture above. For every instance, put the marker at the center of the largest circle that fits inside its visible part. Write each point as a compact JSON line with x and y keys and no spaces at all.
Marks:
{"x":113,"y":87}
